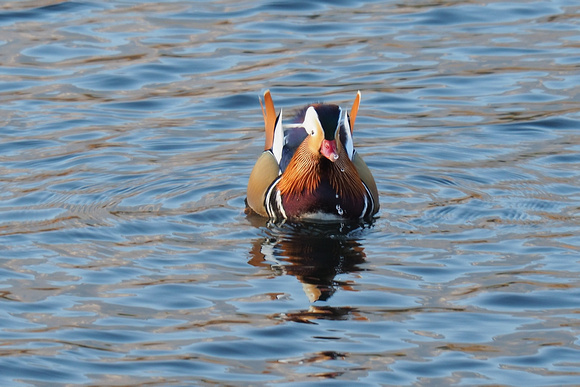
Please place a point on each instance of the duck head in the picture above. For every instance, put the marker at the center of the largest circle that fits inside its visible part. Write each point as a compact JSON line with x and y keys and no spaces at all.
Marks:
{"x":322,"y":124}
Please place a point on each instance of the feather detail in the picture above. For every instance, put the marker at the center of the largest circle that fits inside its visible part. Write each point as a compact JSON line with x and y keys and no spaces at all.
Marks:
{"x":354,"y":110}
{"x":302,"y":174}
{"x":344,"y":177}
{"x":269,"y":113}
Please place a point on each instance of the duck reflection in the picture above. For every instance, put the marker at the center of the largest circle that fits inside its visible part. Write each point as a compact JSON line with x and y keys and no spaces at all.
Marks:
{"x":314,"y":254}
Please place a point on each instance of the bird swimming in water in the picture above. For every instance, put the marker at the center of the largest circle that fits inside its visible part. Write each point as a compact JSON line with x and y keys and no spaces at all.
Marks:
{"x":309,"y":169}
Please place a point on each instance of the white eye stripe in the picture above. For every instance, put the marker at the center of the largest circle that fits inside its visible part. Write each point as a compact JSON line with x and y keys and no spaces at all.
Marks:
{"x":311,"y":123}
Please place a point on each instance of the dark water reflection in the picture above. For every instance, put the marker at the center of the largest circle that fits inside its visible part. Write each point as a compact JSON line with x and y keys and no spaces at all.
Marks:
{"x":128,"y":131}
{"x":314,"y":254}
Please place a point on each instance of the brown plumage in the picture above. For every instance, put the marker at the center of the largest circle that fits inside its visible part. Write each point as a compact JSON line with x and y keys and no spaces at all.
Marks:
{"x":302,"y":174}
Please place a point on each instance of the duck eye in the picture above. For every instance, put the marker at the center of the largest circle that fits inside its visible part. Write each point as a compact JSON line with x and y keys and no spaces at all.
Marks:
{"x":312,"y":132}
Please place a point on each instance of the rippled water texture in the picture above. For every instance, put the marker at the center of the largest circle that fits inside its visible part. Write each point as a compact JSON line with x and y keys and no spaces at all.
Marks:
{"x":129,"y":130}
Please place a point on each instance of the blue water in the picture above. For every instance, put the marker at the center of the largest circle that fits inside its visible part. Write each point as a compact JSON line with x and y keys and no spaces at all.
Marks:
{"x":129,"y":130}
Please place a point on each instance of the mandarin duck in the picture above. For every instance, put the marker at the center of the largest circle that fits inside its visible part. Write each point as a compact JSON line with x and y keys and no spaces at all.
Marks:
{"x":309,"y":169}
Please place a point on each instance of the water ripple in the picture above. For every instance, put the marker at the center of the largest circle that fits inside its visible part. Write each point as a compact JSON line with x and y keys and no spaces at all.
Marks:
{"x":128,"y":133}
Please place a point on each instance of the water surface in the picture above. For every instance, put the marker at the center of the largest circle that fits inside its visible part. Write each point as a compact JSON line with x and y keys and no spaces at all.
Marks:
{"x":129,"y":130}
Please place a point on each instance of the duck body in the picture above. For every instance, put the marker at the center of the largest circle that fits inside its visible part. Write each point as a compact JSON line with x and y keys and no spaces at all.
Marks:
{"x":309,"y":169}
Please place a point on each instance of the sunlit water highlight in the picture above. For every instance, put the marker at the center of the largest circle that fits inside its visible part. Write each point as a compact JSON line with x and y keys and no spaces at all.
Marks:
{"x":129,"y":130}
